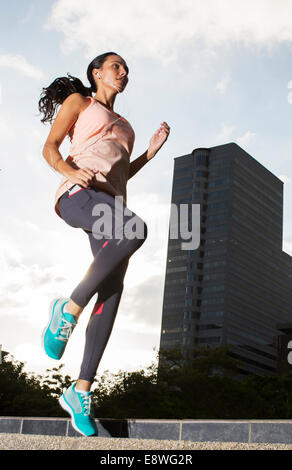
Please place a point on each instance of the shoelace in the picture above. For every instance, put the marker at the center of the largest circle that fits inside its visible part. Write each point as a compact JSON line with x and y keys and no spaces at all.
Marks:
{"x":85,"y":403}
{"x":65,"y":330}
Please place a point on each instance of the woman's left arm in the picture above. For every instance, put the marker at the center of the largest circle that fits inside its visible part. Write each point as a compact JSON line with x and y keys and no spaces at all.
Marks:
{"x":156,"y":142}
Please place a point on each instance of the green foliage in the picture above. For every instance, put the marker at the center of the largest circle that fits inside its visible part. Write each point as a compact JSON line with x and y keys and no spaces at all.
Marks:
{"x":27,"y":394}
{"x":204,"y":386}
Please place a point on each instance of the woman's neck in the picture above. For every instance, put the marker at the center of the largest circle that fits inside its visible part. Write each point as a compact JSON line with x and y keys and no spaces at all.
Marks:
{"x":107,"y":101}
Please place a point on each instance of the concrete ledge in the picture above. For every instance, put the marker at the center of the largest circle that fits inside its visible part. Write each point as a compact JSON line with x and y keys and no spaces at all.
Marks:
{"x":243,"y":431}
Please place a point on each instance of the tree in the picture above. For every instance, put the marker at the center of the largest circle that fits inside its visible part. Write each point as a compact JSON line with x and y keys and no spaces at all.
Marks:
{"x":204,"y":387}
{"x":25,"y":394}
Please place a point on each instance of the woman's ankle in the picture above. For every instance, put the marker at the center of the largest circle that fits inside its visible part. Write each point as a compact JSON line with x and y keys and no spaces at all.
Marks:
{"x":74,"y":309}
{"x":83,"y":385}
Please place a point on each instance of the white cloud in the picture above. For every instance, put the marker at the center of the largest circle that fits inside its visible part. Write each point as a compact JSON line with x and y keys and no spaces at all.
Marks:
{"x":245,"y":138}
{"x":290,"y":92}
{"x":20,"y":63}
{"x":6,"y":131}
{"x":225,"y":133}
{"x":159,"y":29}
{"x":28,"y":16}
{"x":26,"y":286}
{"x":30,"y":354}
{"x":222,"y":85}
{"x":285,"y":179}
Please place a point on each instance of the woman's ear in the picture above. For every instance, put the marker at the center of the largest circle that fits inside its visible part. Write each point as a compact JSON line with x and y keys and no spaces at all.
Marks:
{"x":95,"y":73}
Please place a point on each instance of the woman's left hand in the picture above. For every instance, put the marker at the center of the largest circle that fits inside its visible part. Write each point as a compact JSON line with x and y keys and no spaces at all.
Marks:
{"x":158,"y":139}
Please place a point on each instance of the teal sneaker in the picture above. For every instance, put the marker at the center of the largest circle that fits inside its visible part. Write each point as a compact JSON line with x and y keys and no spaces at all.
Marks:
{"x":78,"y":405}
{"x":60,"y":327}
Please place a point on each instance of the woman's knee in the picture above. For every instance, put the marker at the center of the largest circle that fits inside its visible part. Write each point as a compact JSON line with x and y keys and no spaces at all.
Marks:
{"x":136,"y":238}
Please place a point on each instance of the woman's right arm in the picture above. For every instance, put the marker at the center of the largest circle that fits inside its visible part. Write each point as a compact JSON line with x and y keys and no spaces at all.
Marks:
{"x":65,"y":119}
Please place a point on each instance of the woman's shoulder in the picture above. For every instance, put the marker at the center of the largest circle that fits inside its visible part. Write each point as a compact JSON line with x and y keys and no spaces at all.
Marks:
{"x":74,"y":105}
{"x":78,"y":101}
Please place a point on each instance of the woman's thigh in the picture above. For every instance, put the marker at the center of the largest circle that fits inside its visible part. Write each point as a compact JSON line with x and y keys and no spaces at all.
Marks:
{"x":97,"y":212}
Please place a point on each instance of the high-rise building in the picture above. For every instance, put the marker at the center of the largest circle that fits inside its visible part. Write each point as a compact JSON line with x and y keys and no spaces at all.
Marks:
{"x":236,"y":286}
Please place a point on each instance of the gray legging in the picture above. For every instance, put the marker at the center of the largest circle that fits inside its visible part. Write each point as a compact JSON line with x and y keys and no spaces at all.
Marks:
{"x":112,"y":248}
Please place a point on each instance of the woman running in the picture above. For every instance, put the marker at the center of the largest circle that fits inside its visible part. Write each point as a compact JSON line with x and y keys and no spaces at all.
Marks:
{"x":95,"y":176}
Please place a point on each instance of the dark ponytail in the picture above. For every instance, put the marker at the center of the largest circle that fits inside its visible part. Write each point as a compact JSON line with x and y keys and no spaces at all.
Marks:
{"x":56,"y":93}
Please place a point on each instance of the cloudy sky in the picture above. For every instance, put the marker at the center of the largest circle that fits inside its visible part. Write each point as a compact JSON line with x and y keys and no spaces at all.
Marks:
{"x":217,"y":71}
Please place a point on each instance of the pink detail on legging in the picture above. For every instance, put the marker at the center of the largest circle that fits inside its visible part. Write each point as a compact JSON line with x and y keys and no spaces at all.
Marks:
{"x":97,"y":309}
{"x":75,"y":192}
{"x":105,"y":243}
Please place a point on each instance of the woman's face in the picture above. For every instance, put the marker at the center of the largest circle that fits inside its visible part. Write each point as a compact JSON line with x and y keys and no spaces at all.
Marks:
{"x":115,"y":70}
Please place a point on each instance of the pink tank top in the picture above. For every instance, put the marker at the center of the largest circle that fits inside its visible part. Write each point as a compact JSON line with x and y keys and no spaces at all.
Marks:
{"x":103,"y":141}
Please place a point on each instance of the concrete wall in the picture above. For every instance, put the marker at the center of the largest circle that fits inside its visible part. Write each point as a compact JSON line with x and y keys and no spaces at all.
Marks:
{"x":250,"y":431}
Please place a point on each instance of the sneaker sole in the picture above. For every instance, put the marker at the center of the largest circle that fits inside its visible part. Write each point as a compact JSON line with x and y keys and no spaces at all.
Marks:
{"x":48,"y":324}
{"x":67,"y":408}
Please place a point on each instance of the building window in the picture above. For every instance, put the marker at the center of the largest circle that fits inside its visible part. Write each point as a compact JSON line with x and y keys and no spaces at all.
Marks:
{"x":223,"y":215}
{"x":214,"y":288}
{"x":185,"y":179}
{"x":186,"y":340}
{"x":214,"y":339}
{"x":218,"y":182}
{"x":217,"y":313}
{"x":216,"y":228}
{"x":202,"y":173}
{"x":187,"y":315}
{"x":201,"y":160}
{"x":212,"y":301}
{"x":223,"y":193}
{"x":187,"y":327}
